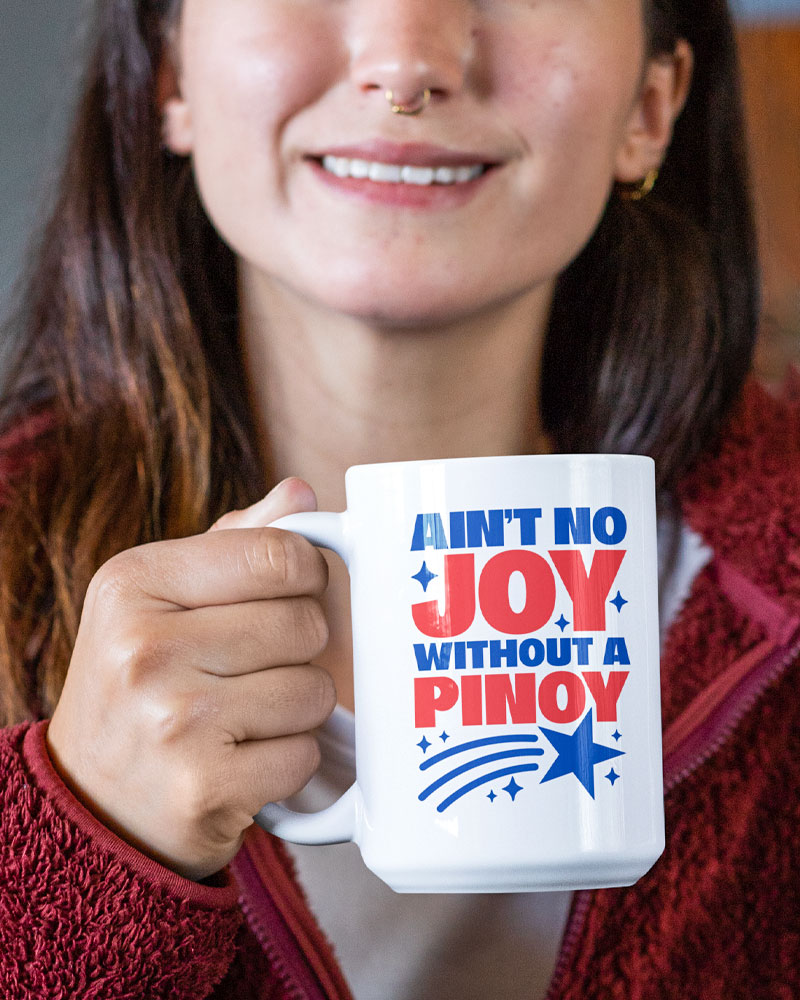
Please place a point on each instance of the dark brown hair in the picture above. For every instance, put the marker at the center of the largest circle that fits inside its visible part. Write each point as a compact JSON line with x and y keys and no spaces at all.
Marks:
{"x":653,"y":325}
{"x":128,"y":341}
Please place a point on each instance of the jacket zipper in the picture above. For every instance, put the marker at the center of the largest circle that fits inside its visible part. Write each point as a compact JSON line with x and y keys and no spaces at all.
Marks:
{"x":702,"y":730}
{"x":569,"y":943}
{"x":719,"y":721}
{"x":712,"y":717}
{"x":272,"y":932}
{"x":290,"y":987}
{"x":297,"y":949}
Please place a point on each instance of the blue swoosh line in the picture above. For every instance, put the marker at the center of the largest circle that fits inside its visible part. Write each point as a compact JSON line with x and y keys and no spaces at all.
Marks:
{"x":488,"y":759}
{"x":504,"y":773}
{"x":531,"y":738}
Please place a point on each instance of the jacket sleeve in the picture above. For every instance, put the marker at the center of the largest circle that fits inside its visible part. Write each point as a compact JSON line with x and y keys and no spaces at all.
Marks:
{"x":82,"y":912}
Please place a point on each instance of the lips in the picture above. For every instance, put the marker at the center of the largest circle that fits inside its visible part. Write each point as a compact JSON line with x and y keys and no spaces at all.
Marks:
{"x":404,"y":175}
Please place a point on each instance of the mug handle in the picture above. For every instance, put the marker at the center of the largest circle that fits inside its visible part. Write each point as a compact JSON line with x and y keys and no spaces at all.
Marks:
{"x":337,"y":823}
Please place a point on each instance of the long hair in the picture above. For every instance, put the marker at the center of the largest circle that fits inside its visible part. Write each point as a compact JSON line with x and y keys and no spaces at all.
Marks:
{"x":653,"y":326}
{"x":124,"y":418}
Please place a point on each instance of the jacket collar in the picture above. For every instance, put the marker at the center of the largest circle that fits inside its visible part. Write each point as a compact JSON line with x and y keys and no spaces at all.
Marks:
{"x":743,"y":498}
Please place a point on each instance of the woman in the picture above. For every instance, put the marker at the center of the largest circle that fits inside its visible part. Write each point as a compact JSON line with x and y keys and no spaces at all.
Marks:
{"x":434,"y":237}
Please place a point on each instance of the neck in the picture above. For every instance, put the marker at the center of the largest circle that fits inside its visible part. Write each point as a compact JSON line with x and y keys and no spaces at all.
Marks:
{"x":328,"y":392}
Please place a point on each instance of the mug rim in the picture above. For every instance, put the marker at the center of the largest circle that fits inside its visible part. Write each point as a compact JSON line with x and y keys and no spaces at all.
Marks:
{"x":560,"y":457}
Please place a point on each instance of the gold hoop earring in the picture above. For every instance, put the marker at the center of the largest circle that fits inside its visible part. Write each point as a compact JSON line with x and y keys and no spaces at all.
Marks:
{"x":642,"y":189}
{"x":414,"y":107}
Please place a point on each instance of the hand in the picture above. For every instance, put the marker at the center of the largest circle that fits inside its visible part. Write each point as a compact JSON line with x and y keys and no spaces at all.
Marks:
{"x":189,"y":699}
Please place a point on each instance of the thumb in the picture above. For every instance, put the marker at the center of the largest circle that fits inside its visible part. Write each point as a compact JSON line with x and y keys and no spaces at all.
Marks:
{"x":289,"y":497}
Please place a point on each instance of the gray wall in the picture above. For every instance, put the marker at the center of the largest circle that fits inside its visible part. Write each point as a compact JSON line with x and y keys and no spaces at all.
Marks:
{"x":39,"y":64}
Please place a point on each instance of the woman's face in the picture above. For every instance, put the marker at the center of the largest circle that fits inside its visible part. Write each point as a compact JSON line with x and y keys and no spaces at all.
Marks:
{"x":540,"y":97}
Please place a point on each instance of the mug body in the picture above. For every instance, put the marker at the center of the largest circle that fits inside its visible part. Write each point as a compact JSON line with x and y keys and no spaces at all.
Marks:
{"x":506,"y":658}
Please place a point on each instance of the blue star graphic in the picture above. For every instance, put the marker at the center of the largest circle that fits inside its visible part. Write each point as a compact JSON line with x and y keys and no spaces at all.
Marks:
{"x":444,"y":736}
{"x":618,"y":602}
{"x":578,"y":754}
{"x":612,"y":776}
{"x":424,"y":744}
{"x":562,"y":623}
{"x":512,"y":788}
{"x":616,"y":735}
{"x":424,"y":576}
{"x":491,"y":796}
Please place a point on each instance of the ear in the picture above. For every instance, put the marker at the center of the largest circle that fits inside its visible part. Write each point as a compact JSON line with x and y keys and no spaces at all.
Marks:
{"x":176,"y":119}
{"x":663,"y":93}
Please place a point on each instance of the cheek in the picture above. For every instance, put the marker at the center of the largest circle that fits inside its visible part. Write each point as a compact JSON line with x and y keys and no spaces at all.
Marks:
{"x":567,"y":98}
{"x":569,"y":105}
{"x":244,"y":80}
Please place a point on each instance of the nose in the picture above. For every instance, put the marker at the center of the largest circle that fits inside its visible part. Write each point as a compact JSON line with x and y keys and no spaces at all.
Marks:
{"x":409,"y":46}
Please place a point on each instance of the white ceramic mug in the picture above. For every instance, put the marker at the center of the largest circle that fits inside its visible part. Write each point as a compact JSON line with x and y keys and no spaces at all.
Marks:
{"x":506,"y":664}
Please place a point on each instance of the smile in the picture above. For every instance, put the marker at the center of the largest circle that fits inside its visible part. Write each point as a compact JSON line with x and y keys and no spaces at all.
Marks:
{"x":394,"y":173}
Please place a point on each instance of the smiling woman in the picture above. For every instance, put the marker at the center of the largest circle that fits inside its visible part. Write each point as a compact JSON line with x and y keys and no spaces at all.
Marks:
{"x":259,"y":121}
{"x":297,"y":235}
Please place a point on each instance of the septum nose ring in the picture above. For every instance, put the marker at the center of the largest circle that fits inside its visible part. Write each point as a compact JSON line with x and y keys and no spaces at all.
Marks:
{"x":414,"y":107}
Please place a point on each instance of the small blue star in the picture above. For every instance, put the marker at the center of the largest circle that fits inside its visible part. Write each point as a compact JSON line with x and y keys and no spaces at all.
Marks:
{"x":424,"y":576}
{"x":562,"y":623}
{"x":618,"y":602}
{"x":612,"y":776}
{"x":424,"y":744}
{"x":512,"y":788}
{"x":616,"y":735}
{"x":491,"y":796}
{"x":444,"y":737}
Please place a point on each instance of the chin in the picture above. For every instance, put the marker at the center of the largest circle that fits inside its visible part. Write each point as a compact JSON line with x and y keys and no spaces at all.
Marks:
{"x":404,"y":315}
{"x":403,"y":305}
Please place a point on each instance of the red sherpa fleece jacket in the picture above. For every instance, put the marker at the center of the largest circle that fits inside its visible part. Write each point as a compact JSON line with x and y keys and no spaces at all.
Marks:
{"x":83,"y":914}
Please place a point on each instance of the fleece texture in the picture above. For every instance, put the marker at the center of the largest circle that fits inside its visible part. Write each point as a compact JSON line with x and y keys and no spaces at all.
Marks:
{"x":83,"y":914}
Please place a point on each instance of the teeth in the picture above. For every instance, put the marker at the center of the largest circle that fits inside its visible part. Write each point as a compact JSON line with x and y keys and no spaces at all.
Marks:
{"x":467,"y":173}
{"x":392,"y":173}
{"x":385,"y":173}
{"x":418,"y":175}
{"x":358,"y":168}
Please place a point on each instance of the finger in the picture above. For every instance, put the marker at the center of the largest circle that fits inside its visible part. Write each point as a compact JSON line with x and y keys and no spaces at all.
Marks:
{"x":269,"y":770}
{"x":216,"y":568}
{"x":283,"y":701}
{"x":289,"y":497}
{"x":243,"y":638}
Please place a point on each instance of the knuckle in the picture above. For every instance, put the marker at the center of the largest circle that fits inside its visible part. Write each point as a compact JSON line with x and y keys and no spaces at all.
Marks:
{"x":109,"y":583}
{"x":289,"y":561}
{"x":322,"y":693}
{"x":306,"y":757}
{"x":273,"y":555}
{"x":175,"y":716}
{"x":311,"y":626}
{"x":119,"y":579}
{"x":311,"y":754}
{"x":320,"y":572}
{"x":168,"y":717}
{"x":137,"y":655}
{"x":198,"y":794}
{"x":292,"y":762}
{"x":126,"y":652}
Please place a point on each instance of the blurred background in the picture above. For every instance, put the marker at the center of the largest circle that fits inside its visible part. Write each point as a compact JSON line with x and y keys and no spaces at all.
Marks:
{"x":40,"y":58}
